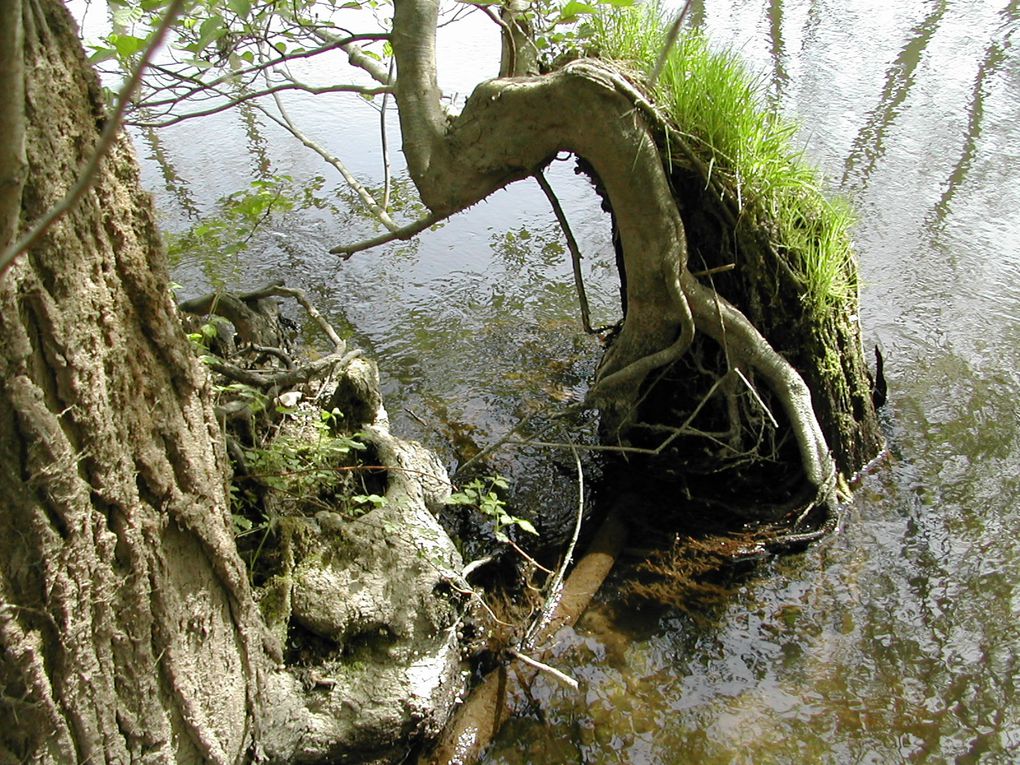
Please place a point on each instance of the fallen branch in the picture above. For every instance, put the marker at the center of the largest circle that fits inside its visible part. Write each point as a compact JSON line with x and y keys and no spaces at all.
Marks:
{"x":480,"y":718}
{"x":543,"y":667}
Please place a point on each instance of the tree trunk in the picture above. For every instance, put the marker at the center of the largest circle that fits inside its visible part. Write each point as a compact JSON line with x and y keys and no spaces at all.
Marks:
{"x":128,"y":629}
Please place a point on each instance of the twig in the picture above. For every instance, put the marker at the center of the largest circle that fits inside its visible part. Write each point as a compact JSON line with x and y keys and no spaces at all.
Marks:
{"x":667,"y":45}
{"x":474,"y":565}
{"x":369,"y":201}
{"x":385,"y":144}
{"x":270,"y":90}
{"x":683,"y":429}
{"x":553,"y":590}
{"x":505,"y":439}
{"x":520,"y":551}
{"x":757,"y":398}
{"x":87,"y":176}
{"x":402,"y":234}
{"x":567,"y":679}
{"x":575,"y":251}
{"x":714,"y":270}
{"x":200,"y":86}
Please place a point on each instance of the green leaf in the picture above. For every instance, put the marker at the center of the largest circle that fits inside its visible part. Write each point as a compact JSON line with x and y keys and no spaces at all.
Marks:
{"x":127,"y":45}
{"x":99,"y":55}
{"x":573,"y":9}
{"x":241,"y":7}
{"x":525,"y":525}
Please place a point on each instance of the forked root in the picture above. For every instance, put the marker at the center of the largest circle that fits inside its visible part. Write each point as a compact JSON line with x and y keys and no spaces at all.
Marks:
{"x":747,"y":348}
{"x":703,"y":309}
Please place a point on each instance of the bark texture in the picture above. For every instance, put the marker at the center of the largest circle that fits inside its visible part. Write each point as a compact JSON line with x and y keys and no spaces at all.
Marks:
{"x":126,"y":623}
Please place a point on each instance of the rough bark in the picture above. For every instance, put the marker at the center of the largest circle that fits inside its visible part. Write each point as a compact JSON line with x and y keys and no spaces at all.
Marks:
{"x":128,"y":628}
{"x":127,"y":625}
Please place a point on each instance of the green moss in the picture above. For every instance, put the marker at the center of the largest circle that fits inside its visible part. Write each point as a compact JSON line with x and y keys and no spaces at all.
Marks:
{"x":275,"y":604}
{"x":718,"y":110}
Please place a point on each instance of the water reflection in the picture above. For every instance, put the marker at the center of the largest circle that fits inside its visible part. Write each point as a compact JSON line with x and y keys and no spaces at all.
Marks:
{"x":899,"y":79}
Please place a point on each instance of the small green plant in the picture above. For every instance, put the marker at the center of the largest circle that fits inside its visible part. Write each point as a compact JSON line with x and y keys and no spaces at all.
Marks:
{"x":481,"y":494}
{"x":298,"y":467}
{"x":720,"y":110}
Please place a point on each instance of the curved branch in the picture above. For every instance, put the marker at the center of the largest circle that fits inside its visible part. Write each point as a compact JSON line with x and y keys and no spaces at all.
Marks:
{"x":268,"y":91}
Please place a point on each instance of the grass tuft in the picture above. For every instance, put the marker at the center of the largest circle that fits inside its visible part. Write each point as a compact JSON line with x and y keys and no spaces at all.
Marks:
{"x":719,"y":108}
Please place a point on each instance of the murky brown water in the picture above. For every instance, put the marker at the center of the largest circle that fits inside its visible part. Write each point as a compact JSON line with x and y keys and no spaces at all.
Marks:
{"x":896,"y":640}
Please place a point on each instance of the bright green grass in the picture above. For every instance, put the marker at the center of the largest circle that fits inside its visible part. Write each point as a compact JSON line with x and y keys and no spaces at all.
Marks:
{"x":719,"y":109}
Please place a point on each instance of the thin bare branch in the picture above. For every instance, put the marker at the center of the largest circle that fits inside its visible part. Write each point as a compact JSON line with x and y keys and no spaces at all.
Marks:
{"x":762,"y":404}
{"x":566,"y":679}
{"x":233,"y":101}
{"x":366,"y":197}
{"x":385,"y":144}
{"x":505,"y":439}
{"x":87,"y":175}
{"x":401,"y":234}
{"x":575,"y":252}
{"x":555,"y":585}
{"x":254,"y":70}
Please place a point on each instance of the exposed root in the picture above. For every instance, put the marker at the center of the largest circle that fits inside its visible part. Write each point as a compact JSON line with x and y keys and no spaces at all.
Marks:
{"x":747,"y":348}
{"x":618,"y":384}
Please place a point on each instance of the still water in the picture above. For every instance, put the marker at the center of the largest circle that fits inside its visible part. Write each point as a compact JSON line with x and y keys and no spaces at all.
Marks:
{"x":895,"y":641}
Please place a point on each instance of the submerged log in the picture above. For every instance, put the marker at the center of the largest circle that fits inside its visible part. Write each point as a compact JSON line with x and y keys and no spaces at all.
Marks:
{"x":477,"y":722}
